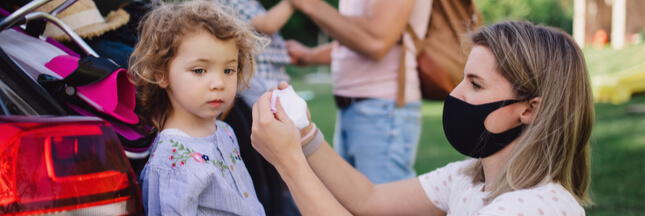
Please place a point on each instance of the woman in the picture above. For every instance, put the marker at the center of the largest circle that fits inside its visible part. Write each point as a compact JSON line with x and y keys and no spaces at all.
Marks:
{"x":523,"y":112}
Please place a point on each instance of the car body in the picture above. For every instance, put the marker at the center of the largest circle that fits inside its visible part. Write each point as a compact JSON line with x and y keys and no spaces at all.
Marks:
{"x":54,"y":161}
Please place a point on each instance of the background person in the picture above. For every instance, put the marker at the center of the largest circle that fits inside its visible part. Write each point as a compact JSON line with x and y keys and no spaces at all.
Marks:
{"x":372,"y":133}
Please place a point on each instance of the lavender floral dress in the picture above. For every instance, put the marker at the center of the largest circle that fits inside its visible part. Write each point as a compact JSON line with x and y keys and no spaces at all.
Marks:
{"x":198,"y":176}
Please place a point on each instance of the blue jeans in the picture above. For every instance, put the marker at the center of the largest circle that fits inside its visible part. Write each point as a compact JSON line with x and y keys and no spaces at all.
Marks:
{"x":379,"y":139}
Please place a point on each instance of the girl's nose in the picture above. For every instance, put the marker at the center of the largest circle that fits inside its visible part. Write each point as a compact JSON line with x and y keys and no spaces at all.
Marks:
{"x":216,"y":82}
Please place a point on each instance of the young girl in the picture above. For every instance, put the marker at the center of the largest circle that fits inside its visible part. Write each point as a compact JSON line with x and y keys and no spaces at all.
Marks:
{"x":191,"y":58}
{"x":523,"y":113}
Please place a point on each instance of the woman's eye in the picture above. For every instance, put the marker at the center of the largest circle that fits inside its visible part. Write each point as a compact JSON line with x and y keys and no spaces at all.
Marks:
{"x":199,"y":71}
{"x":229,"y":71}
{"x":475,"y":85}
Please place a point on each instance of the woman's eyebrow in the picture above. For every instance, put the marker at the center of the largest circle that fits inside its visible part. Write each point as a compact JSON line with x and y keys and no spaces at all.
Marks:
{"x":473,"y":76}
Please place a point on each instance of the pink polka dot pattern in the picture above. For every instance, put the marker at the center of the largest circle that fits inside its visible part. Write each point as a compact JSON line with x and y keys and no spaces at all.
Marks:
{"x":459,"y":196}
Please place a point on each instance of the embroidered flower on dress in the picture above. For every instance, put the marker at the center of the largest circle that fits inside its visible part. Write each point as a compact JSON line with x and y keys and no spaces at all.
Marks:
{"x":197,"y":157}
{"x":235,"y":157}
{"x":182,"y":153}
{"x":230,"y":134}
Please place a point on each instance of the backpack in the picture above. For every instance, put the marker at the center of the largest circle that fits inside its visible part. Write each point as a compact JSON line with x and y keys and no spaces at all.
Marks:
{"x":441,"y":57}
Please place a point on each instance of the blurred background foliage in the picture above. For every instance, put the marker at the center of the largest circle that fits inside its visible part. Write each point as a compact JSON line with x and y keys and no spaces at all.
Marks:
{"x":299,"y":27}
{"x":556,"y":13}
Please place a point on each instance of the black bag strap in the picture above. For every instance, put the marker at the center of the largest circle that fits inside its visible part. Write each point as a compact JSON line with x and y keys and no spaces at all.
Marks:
{"x":90,"y":69}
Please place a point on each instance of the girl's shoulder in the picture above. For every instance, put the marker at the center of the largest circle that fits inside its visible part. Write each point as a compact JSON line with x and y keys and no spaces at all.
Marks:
{"x":226,"y":129}
{"x":547,"y":199}
{"x":177,"y":151}
{"x":223,"y":126}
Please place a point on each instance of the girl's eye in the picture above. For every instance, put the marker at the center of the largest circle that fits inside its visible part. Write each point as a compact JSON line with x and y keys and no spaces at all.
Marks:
{"x":199,"y":71}
{"x":475,"y":85}
{"x":229,"y":71}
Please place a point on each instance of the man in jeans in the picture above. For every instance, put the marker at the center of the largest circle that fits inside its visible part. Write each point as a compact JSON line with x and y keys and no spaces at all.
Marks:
{"x":372,"y":133}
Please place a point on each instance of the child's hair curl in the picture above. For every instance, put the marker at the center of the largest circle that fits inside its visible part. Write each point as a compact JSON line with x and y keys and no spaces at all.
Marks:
{"x":161,"y":32}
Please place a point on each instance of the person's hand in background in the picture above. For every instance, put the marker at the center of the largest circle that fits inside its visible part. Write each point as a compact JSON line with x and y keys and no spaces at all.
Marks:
{"x":302,"y":55}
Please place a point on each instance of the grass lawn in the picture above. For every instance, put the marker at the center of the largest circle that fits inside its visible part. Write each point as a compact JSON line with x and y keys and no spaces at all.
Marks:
{"x":618,"y":139}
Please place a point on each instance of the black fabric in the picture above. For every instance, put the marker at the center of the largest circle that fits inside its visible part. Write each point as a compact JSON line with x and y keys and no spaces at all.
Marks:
{"x":91,"y":69}
{"x":463,"y":125}
{"x":271,"y":190}
{"x":344,"y":102}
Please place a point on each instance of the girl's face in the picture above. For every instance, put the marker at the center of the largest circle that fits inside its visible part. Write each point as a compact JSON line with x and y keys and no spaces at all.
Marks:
{"x":483,"y":84}
{"x":202,"y":77}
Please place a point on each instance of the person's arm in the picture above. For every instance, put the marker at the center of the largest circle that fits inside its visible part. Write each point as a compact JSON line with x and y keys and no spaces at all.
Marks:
{"x":304,"y":56}
{"x":361,"y":196}
{"x":279,"y":142}
{"x":372,"y":35}
{"x":277,"y":139}
{"x":270,"y":22}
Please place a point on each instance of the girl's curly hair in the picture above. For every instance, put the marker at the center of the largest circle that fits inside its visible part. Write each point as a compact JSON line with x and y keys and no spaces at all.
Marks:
{"x":161,"y":32}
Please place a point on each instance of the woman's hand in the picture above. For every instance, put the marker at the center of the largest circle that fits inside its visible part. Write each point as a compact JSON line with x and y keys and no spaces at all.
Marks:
{"x":307,"y":130}
{"x":275,"y":136}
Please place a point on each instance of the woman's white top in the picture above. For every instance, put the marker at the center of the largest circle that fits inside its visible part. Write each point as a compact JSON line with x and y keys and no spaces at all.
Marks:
{"x":453,"y":192}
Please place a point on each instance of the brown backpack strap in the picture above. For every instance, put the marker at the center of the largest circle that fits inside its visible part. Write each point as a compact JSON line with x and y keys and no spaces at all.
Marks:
{"x":400,"y":97}
{"x":417,"y":42}
{"x":400,"y":94}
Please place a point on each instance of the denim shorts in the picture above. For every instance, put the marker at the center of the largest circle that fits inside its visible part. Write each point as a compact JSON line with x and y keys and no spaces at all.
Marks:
{"x":379,"y":139}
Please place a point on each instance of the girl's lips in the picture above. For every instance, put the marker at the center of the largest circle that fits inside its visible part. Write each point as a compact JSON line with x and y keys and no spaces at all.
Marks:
{"x":216,"y":103}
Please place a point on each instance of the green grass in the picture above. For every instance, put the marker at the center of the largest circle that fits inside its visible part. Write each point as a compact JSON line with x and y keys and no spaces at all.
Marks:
{"x":618,"y":137}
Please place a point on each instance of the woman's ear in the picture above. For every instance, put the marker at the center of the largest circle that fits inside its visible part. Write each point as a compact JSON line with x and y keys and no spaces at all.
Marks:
{"x":530,"y":110}
{"x":161,"y":80}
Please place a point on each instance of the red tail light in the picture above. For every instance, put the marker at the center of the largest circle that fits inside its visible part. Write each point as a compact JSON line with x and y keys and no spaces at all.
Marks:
{"x":64,"y":165}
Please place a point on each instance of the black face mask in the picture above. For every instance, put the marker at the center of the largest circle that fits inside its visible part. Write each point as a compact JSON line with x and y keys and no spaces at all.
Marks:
{"x":463,"y":124}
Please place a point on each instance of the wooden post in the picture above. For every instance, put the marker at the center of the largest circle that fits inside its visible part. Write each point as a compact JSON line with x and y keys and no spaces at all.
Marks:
{"x":579,"y":21}
{"x":618,"y":19}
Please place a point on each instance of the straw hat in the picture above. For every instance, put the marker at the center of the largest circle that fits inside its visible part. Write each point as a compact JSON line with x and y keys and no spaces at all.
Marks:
{"x":84,"y":18}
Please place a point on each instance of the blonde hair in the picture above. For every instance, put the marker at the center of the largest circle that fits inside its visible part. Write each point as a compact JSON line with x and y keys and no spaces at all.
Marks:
{"x":161,"y":32}
{"x":543,"y":62}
